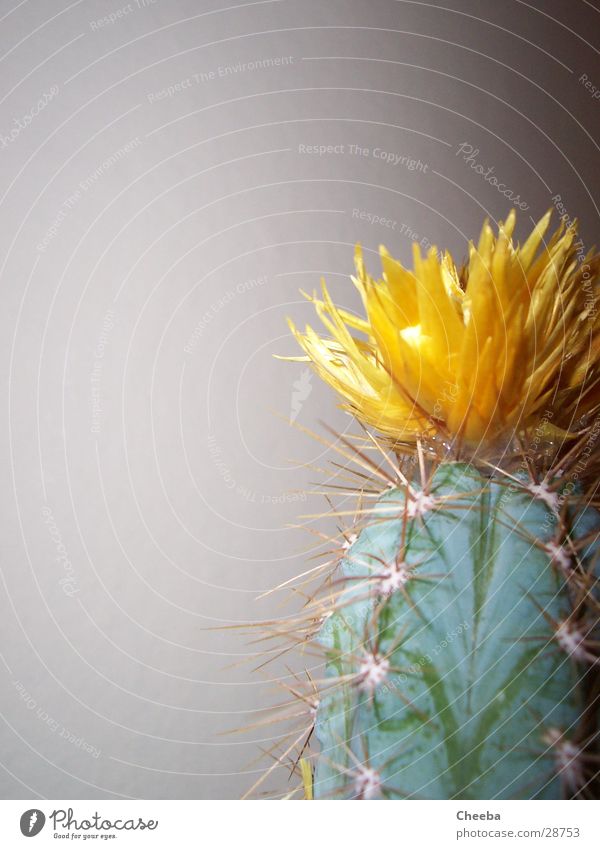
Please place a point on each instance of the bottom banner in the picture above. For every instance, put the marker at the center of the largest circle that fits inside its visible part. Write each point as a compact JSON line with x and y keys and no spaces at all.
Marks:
{"x":272,"y":824}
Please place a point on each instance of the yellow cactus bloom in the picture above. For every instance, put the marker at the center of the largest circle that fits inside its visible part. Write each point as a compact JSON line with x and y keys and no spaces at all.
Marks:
{"x":477,"y":354}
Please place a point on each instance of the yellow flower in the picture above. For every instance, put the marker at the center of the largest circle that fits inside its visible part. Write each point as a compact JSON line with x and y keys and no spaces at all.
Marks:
{"x":479,"y":354}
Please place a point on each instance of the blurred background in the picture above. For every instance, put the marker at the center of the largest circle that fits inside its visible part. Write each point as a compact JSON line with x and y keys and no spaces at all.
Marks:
{"x":171,"y":175}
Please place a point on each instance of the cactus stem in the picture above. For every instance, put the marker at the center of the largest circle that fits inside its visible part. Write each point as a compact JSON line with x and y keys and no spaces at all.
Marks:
{"x":375,"y":566}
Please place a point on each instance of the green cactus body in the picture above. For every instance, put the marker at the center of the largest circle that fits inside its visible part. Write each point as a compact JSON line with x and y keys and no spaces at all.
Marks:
{"x":448,"y":672}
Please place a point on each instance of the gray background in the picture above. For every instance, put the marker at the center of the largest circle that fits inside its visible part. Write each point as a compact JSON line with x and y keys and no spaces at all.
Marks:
{"x":152,"y":243}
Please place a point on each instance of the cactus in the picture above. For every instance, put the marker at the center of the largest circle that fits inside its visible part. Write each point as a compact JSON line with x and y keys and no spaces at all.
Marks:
{"x":460,"y":623}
